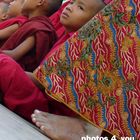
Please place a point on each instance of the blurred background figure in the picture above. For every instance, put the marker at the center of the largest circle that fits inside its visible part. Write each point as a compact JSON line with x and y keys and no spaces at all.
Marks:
{"x":3,"y":11}
{"x":7,"y":1}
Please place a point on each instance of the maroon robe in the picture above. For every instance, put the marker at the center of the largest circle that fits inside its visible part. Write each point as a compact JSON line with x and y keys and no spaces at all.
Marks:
{"x":9,"y":22}
{"x":16,"y":20}
{"x":41,"y":28}
{"x":21,"y":95}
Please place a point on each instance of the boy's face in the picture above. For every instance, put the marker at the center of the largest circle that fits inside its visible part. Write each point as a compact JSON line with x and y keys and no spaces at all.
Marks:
{"x":15,"y":8}
{"x":77,"y":13}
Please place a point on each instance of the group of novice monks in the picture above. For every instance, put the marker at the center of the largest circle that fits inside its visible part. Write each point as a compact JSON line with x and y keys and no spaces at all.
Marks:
{"x":29,"y":29}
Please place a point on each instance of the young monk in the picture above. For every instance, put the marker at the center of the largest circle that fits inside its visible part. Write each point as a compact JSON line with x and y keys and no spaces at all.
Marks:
{"x":19,"y":92}
{"x":35,"y":37}
{"x":3,"y":11}
{"x":117,"y":41}
{"x":16,"y":19}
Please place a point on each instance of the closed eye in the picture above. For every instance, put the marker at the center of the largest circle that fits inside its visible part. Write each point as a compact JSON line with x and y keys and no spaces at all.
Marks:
{"x":81,"y":7}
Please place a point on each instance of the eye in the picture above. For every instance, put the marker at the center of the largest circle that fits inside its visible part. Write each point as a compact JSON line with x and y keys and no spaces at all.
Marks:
{"x":81,"y":7}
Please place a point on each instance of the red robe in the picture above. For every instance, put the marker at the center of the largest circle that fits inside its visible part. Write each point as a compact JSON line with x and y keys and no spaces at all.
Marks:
{"x":17,"y":20}
{"x":21,"y":95}
{"x":45,"y":37}
{"x":55,"y":19}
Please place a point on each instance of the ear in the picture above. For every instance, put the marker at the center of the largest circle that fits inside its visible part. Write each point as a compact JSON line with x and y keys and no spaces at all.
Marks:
{"x":41,"y":2}
{"x":4,"y":16}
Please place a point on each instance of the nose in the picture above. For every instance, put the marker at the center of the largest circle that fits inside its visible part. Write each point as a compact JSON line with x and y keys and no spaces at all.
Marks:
{"x":69,"y":7}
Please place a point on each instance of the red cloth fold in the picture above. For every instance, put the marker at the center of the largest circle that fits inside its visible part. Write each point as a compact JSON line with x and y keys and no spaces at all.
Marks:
{"x":19,"y":20}
{"x":9,"y":22}
{"x":21,"y":95}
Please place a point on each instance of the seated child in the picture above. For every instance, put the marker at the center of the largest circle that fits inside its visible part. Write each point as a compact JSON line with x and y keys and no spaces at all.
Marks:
{"x":34,"y":38}
{"x":9,"y":26}
{"x":18,"y":91}
{"x":3,"y":11}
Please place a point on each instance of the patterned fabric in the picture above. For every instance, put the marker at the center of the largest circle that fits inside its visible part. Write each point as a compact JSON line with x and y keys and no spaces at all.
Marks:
{"x":97,"y":71}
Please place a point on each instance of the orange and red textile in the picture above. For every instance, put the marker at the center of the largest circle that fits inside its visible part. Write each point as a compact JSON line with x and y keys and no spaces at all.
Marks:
{"x":96,"y":72}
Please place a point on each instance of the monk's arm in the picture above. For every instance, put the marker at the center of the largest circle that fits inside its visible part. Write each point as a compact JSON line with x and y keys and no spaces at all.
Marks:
{"x":22,"y":49}
{"x":8,"y":31}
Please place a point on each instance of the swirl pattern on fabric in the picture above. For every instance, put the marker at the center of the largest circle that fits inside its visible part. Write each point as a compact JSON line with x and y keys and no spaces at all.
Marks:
{"x":97,"y":71}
